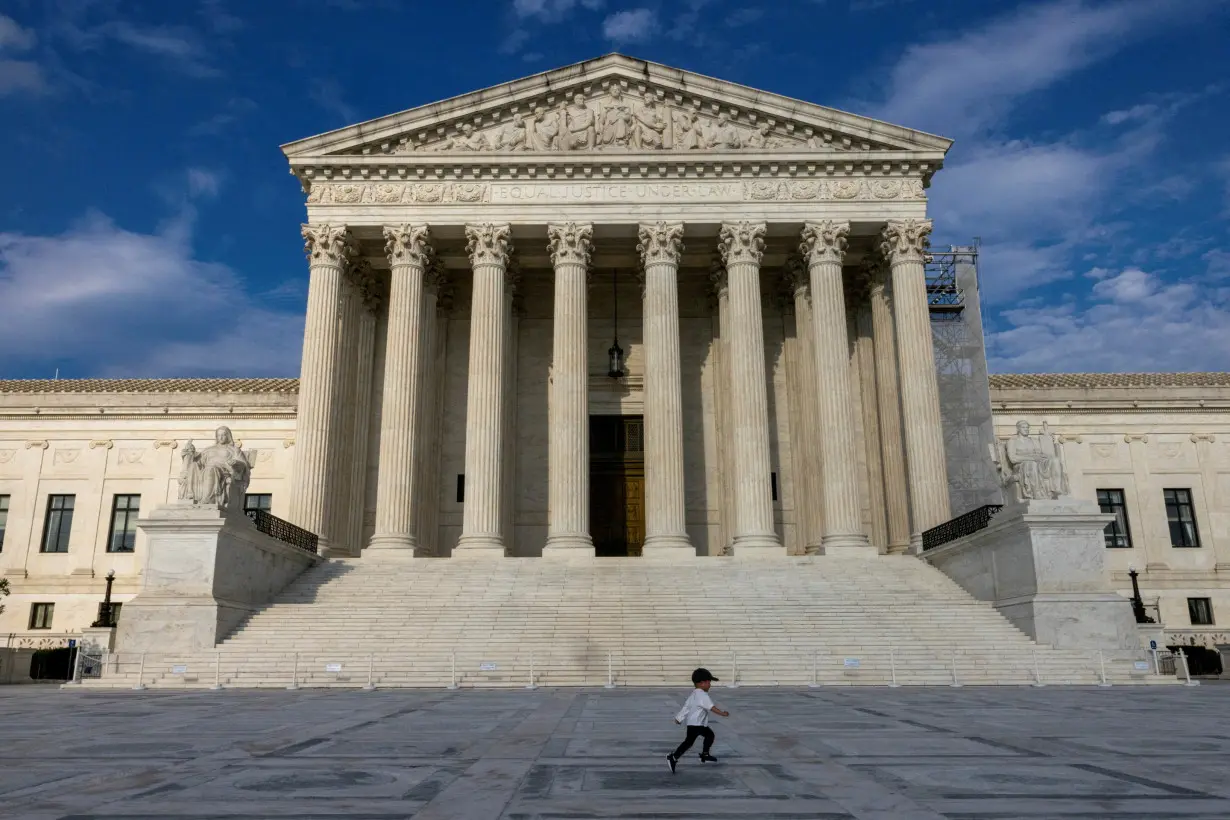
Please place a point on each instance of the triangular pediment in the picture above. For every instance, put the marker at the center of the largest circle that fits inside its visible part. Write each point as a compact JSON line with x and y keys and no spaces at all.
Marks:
{"x":617,"y":105}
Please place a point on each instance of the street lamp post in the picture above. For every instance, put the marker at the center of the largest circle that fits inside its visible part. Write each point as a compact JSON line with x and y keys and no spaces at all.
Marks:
{"x":104,"y":611}
{"x":1138,"y":605}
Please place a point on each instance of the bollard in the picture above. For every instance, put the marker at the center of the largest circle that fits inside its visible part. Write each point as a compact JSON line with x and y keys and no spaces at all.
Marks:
{"x":734,"y":676}
{"x":531,"y":685}
{"x":217,"y":672}
{"x":452,"y":660}
{"x":1102,"y":669}
{"x":892,"y":667}
{"x":1187,"y":672}
{"x":1037,"y":672}
{"x":371,"y":670}
{"x":610,"y":672}
{"x":294,"y":678}
{"x":77,"y":664}
{"x":815,"y":682}
{"x":955,"y":684}
{"x":140,"y":687}
{"x":1157,"y":664}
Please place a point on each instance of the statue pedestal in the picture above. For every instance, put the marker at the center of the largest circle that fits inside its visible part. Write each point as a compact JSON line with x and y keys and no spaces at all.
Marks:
{"x":205,"y":571}
{"x":1041,"y":563}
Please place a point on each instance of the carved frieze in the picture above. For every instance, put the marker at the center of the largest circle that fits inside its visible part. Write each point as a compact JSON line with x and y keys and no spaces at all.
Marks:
{"x":395,"y":193}
{"x":65,"y":456}
{"x":7,"y":455}
{"x":129,"y":455}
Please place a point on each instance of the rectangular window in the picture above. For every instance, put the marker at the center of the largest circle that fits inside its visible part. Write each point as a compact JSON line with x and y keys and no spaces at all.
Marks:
{"x":125,"y":510}
{"x":40,"y":615}
{"x":258,"y":501}
{"x":1181,"y":516}
{"x":115,"y":612}
{"x":773,"y":484}
{"x":1201,"y":611}
{"x":461,"y":488}
{"x":1117,"y":534}
{"x":59,"y":522}
{"x":4,"y":518}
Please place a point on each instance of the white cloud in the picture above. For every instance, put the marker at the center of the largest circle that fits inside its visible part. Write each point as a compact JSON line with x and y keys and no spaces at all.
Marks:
{"x":959,"y":86}
{"x":549,"y":11}
{"x":1136,"y":112}
{"x":203,"y":182}
{"x":112,"y":302}
{"x":18,"y":75}
{"x":630,"y":26}
{"x":13,"y":37}
{"x":1134,"y":321}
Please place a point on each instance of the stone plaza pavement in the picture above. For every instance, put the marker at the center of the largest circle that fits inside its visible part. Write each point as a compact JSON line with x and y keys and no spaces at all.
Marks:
{"x":990,"y":754}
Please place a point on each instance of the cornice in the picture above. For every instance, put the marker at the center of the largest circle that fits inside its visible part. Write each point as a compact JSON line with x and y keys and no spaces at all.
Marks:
{"x":1107,"y":408}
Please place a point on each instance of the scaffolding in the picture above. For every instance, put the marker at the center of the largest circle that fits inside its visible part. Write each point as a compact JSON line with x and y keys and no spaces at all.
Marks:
{"x":961,"y":371}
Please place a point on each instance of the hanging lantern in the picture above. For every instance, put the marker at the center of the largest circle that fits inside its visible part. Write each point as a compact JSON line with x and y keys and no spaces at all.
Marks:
{"x":615,"y":352}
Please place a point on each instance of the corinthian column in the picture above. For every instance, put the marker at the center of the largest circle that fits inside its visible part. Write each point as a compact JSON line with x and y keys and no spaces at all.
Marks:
{"x":370,"y":292}
{"x":903,"y":243}
{"x":824,"y":248}
{"x":808,"y":470}
{"x":396,"y":486}
{"x":661,"y":244}
{"x":489,"y":247}
{"x":329,"y":249}
{"x":742,"y":245}
{"x":892,"y":451}
{"x":568,"y":402}
{"x":341,"y":428}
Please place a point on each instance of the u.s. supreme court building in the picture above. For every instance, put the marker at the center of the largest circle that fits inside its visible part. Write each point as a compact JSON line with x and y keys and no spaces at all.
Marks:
{"x":623,"y":311}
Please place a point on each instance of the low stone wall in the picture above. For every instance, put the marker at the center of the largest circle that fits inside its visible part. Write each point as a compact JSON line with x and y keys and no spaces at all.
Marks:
{"x":205,"y":572}
{"x":1041,"y":564}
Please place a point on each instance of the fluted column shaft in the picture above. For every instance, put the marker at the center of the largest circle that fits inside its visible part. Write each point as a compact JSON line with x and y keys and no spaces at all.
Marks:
{"x":329,"y":249}
{"x":903,"y":244}
{"x":365,"y":344}
{"x":809,"y":481}
{"x":824,"y":248}
{"x":660,"y":247}
{"x":489,"y":247}
{"x":742,"y":245}
{"x":568,"y":403}
{"x":342,"y":426}
{"x":409,"y":254}
{"x":892,"y":451}
{"x":864,"y":351}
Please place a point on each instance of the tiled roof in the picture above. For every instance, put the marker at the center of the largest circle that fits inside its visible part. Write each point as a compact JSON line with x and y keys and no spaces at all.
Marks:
{"x":1041,"y":381}
{"x":149,"y":386}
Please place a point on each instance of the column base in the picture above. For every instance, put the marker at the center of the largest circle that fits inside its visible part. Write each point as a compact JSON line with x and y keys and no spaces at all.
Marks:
{"x":393,"y":545}
{"x":915,"y":544}
{"x":847,"y":544}
{"x":568,"y":546}
{"x":668,"y":546}
{"x":333,"y":551}
{"x":479,"y":546}
{"x":757,"y":546}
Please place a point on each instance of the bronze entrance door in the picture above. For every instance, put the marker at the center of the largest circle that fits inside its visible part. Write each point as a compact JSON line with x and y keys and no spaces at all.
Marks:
{"x":617,"y":484}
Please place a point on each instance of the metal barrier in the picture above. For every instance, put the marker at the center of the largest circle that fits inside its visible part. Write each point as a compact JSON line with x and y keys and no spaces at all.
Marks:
{"x":962,"y":525}
{"x":284,"y":531}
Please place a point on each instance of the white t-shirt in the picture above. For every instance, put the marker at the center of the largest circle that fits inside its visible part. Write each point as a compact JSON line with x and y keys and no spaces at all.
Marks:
{"x":695,"y":711}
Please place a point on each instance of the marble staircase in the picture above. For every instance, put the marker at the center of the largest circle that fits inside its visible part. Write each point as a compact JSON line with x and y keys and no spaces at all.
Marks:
{"x":517,"y":621}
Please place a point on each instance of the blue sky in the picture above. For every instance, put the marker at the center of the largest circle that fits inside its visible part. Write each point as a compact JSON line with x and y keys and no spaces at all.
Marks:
{"x":152,"y":227}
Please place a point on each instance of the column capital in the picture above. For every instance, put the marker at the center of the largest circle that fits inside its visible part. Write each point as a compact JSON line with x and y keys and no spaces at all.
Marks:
{"x":660,"y":242}
{"x":327,"y":244}
{"x":489,"y":243}
{"x":905,"y":240}
{"x":741,"y":242}
{"x":408,"y":245}
{"x":824,"y":241}
{"x":570,"y":242}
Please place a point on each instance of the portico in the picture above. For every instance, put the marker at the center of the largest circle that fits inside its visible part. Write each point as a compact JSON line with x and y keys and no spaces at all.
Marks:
{"x":468,"y":260}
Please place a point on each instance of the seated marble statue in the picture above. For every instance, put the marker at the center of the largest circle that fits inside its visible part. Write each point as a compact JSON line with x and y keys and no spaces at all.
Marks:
{"x":217,"y":475}
{"x":1034,"y":463}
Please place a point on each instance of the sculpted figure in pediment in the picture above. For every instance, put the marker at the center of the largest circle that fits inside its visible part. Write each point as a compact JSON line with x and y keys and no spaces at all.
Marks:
{"x":547,"y":132}
{"x":725,"y":135}
{"x":689,"y":132}
{"x":467,"y":140}
{"x":579,"y":124}
{"x":650,"y":128}
{"x":618,"y":121}
{"x":513,"y":136}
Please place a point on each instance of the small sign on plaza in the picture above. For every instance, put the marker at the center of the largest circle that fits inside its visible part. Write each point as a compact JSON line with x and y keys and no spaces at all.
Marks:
{"x":850,"y":663}
{"x":487,"y":666}
{"x":333,"y":667}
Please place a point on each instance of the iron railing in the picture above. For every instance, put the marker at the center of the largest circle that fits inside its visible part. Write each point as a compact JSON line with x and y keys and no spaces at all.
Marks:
{"x":284,"y":531}
{"x":962,"y":525}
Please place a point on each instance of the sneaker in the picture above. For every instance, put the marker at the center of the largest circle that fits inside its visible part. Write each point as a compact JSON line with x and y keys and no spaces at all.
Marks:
{"x":704,"y":758}
{"x":670,"y":759}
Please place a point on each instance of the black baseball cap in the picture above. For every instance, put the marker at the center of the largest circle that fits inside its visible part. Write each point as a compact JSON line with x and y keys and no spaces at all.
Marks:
{"x":702,"y":674}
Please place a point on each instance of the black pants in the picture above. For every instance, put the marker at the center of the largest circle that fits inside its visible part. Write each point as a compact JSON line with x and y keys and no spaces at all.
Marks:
{"x":693,"y":733}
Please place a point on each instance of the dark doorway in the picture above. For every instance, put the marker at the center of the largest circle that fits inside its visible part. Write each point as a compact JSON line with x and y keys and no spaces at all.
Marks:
{"x":617,"y":484}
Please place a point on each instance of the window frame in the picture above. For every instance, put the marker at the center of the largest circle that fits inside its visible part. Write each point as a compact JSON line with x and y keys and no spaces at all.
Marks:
{"x":1195,"y":604}
{"x":1190,"y":506}
{"x":116,"y":606}
{"x":1120,"y":511}
{"x":62,"y":533}
{"x":6,"y":503}
{"x":247,"y":505}
{"x":130,"y":515}
{"x":37,"y":607}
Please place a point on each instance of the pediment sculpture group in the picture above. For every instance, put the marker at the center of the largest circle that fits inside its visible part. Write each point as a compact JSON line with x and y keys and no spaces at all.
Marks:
{"x":1031,"y":465}
{"x":217,"y":475}
{"x":616,"y":122}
